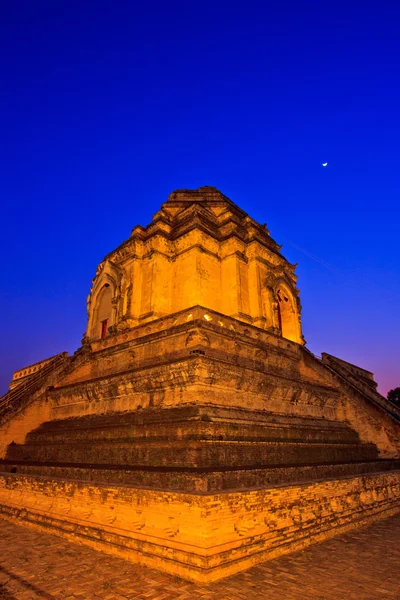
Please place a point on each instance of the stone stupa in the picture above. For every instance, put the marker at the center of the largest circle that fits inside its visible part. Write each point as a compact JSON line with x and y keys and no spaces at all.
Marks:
{"x":193,"y":431}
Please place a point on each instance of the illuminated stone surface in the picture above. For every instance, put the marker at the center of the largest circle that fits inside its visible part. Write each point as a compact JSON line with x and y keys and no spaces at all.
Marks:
{"x":360,"y":565}
{"x":193,"y":431}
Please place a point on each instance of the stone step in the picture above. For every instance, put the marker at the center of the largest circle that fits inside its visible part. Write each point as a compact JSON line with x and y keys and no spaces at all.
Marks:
{"x":197,"y":479}
{"x":192,"y":454}
{"x":189,"y":413}
{"x":192,"y":430}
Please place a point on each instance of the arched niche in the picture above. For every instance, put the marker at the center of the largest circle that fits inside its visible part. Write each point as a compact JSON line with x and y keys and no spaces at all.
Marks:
{"x":103,"y":310}
{"x":287,"y":313}
{"x":103,"y":301}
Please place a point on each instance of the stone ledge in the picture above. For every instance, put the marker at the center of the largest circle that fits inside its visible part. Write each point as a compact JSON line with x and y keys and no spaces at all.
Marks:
{"x":197,"y":480}
{"x":200,"y":538}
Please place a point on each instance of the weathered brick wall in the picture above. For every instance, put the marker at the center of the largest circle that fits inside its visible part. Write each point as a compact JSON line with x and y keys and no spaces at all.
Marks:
{"x":28,"y":418}
{"x":199,"y":537}
{"x":370,"y":420}
{"x":25,"y":407}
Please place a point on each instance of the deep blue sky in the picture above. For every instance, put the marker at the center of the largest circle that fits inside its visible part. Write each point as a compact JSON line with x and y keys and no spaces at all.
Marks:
{"x":106,"y":107}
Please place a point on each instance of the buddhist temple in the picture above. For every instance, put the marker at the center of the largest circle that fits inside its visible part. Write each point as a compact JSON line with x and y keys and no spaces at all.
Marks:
{"x":193,"y":431}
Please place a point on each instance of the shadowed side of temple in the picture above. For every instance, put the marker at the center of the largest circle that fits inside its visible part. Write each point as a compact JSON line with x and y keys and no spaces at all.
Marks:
{"x":193,"y":431}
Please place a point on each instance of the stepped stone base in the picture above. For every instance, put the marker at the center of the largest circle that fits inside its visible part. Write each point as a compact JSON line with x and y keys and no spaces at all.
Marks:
{"x":200,"y":537}
{"x":188,"y":479}
{"x":176,"y":438}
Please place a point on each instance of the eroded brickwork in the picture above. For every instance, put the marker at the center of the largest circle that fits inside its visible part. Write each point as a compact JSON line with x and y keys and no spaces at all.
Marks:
{"x":359,"y":565}
{"x":198,"y":537}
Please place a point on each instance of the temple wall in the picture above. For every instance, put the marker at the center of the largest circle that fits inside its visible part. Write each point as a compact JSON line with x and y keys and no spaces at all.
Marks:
{"x":255,"y":302}
{"x":25,"y":420}
{"x":134,"y":305}
{"x":148,"y":291}
{"x":371,"y":421}
{"x":230,"y":283}
{"x":198,"y":537}
{"x":185,"y":289}
{"x":237,"y":368}
{"x":162,"y":284}
{"x":371,"y":425}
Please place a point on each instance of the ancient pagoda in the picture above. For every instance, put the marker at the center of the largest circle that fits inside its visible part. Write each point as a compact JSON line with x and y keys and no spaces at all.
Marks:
{"x":193,"y":431}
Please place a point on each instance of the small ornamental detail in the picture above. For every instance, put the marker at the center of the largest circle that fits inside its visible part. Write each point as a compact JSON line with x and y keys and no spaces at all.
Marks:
{"x":197,"y":338}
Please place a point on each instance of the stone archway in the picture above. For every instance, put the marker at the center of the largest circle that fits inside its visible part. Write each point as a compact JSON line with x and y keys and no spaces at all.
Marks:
{"x":288,"y":320}
{"x":102,"y":302}
{"x":103,"y":312}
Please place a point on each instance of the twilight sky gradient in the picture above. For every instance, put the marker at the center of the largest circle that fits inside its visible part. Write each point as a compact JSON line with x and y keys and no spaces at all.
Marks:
{"x":106,"y":107}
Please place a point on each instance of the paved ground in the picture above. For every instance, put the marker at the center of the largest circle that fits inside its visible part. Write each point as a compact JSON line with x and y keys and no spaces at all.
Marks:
{"x":363,"y":565}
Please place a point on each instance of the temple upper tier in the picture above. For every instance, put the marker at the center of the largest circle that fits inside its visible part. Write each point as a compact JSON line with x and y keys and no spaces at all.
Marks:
{"x":199,"y":249}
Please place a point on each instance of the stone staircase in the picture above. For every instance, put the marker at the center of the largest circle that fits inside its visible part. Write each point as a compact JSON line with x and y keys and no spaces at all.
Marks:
{"x":344,"y":373}
{"x":194,"y":448}
{"x":24,"y":393}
